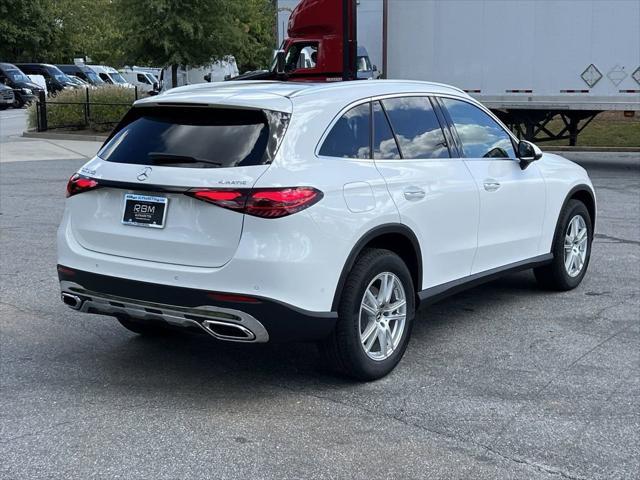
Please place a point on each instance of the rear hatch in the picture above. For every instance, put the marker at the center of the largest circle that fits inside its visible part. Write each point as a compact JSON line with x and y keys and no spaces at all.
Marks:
{"x":158,"y":153}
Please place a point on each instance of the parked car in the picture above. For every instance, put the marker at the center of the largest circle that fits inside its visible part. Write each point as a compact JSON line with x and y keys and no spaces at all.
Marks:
{"x":224,"y":69}
{"x":24,"y":89}
{"x":53,"y":76}
{"x":84,"y":73}
{"x":6,"y":97}
{"x":262,"y":217}
{"x":40,"y":81}
{"x":146,"y":82}
{"x":79,"y":82}
{"x":110,"y":75}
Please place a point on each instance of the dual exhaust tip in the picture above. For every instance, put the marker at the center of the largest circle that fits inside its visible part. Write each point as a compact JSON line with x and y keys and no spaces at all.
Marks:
{"x":73,"y":301}
{"x":228,"y":331}
{"x":218,"y":329}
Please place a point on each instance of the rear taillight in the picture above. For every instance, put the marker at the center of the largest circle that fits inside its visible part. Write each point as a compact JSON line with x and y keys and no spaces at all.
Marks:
{"x":79,"y":184}
{"x":262,"y":202}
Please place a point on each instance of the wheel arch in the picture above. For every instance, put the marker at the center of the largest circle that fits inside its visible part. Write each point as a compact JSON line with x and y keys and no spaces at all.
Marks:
{"x":396,"y":237}
{"x":584,"y":193}
{"x":586,"y":196}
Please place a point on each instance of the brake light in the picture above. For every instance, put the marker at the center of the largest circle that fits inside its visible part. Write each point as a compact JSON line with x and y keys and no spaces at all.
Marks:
{"x":231,"y":199}
{"x":79,"y":184}
{"x":262,"y":202}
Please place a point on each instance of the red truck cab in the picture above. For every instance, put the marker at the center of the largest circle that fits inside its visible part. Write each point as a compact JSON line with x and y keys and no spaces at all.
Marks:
{"x":321,"y":44}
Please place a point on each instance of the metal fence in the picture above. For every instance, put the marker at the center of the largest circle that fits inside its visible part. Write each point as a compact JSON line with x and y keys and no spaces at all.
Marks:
{"x":85,"y":115}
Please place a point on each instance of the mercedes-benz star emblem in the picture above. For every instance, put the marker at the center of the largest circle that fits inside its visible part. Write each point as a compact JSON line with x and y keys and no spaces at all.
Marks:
{"x":144,"y":174}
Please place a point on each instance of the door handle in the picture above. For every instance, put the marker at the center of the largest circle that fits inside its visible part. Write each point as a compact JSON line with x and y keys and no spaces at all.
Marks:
{"x":491,"y":185}
{"x":414,"y":193}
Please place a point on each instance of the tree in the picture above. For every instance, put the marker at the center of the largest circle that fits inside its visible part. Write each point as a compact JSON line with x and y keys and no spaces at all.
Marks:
{"x":173,"y":32}
{"x":86,"y":28}
{"x":254,"y":32}
{"x":197,"y":32}
{"x":157,"y":32}
{"x":27,"y":29}
{"x":56,"y":31}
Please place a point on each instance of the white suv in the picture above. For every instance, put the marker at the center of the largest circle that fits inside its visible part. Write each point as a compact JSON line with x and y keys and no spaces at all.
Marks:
{"x":267,"y":211}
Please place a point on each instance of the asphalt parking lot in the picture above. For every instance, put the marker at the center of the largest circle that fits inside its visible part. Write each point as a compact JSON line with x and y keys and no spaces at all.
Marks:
{"x":503,"y":381}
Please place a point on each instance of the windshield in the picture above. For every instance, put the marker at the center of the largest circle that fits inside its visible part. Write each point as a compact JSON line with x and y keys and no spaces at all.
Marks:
{"x":364,"y":64}
{"x":93,"y":77}
{"x":117,"y":77}
{"x":18,"y":76}
{"x":56,"y":73}
{"x":197,"y":138}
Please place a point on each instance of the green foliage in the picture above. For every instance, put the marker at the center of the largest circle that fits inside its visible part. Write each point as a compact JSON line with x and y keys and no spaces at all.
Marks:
{"x":152,"y":32}
{"x":609,"y":129}
{"x":26,"y":28}
{"x":253,"y":35}
{"x":195,"y":32}
{"x":86,"y":28}
{"x":67,"y":109}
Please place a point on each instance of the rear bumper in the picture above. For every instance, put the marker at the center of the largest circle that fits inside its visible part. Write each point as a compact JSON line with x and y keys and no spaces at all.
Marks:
{"x":225,"y":316}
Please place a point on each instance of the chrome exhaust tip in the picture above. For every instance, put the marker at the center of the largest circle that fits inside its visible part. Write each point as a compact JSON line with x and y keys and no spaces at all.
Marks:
{"x":228,"y":331}
{"x":73,"y":301}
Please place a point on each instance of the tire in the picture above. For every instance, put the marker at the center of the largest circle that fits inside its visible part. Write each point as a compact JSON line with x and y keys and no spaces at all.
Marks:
{"x":18,"y":102}
{"x":557,"y":275}
{"x":142,"y":327}
{"x":344,"y":350}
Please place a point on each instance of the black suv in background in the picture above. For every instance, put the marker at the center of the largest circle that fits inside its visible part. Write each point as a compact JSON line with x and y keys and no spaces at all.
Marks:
{"x":24,"y":89}
{"x":7,"y":98}
{"x":53,"y":76}
{"x":85,"y":73}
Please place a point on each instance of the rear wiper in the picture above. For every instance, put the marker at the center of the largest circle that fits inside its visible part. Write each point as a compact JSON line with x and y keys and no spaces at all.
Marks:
{"x":160,"y":158}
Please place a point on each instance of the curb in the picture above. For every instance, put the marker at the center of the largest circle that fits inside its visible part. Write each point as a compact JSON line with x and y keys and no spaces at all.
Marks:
{"x":65,"y":136}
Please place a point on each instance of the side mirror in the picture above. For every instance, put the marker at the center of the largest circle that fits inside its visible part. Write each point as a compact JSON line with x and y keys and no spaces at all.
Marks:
{"x":375,"y":69}
{"x":527,"y":153}
{"x":207,"y":77}
{"x":280,"y":61}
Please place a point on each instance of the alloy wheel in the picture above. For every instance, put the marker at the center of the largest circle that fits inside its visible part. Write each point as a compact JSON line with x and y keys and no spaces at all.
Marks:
{"x":575,"y":246}
{"x":383,"y":315}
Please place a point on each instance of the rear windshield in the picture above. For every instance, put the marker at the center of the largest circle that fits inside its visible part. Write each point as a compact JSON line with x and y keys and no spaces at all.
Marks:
{"x":196,"y":137}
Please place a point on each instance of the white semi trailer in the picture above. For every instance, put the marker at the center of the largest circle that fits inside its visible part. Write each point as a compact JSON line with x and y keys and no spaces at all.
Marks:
{"x":528,"y":60}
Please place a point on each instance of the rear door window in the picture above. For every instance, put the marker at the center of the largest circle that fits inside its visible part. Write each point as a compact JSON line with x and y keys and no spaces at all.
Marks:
{"x":196,"y":137}
{"x":416,"y":127}
{"x":350,"y":137}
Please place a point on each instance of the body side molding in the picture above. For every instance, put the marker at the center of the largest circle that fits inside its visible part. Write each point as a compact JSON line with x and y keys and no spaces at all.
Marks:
{"x":434,"y":294}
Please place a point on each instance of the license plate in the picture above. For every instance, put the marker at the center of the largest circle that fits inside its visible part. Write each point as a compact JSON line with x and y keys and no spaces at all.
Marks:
{"x":144,"y":210}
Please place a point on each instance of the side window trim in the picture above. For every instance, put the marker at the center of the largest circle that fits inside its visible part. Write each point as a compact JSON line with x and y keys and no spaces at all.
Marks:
{"x":445,"y":126}
{"x":371,"y":131}
{"x":452,"y":128}
{"x":393,"y":132}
